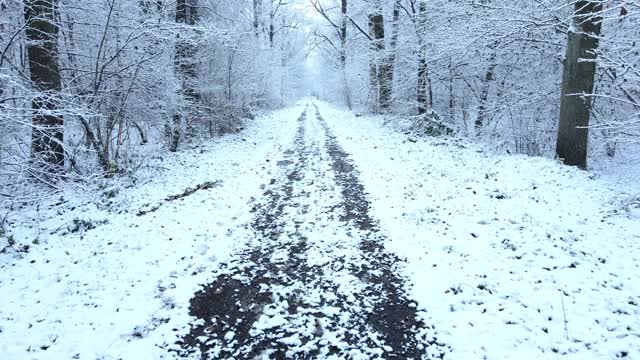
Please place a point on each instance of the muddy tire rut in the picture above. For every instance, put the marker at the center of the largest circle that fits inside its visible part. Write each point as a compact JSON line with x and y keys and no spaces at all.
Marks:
{"x":316,"y":280}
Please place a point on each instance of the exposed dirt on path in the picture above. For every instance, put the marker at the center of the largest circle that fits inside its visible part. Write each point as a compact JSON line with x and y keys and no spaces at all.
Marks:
{"x":317,"y":281}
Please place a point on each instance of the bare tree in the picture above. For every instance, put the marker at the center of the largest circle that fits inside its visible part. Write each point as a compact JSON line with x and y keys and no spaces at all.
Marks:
{"x":273,"y":12}
{"x":340,"y":27}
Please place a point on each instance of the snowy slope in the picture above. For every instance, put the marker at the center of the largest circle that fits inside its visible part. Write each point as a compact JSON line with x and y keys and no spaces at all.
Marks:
{"x":118,"y":290}
{"x":502,"y":250}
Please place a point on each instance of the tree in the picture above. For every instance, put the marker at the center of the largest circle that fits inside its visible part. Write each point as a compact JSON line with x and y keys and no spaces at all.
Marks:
{"x":381,"y":68}
{"x":423,"y":73}
{"x":341,"y":29}
{"x":93,"y":77}
{"x":273,"y":12}
{"x":47,"y":134}
{"x":376,"y":38}
{"x":257,"y":11}
{"x":393,"y":44}
{"x":578,"y":82}
{"x":484,"y":93}
{"x":185,"y":66}
{"x":343,"y":51}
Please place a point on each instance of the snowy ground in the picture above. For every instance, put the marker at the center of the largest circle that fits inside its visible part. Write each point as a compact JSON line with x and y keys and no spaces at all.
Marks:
{"x":498,"y":245}
{"x":316,"y":281}
{"x":506,"y":256}
{"x":118,"y":290}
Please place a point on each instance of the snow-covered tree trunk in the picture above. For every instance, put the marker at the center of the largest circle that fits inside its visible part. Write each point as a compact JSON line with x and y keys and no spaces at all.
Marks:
{"x":47,"y":135}
{"x":375,"y":47}
{"x":452,"y":100}
{"x":185,"y":67}
{"x":484,"y":93}
{"x":272,"y":16}
{"x":381,"y":70}
{"x":385,"y":71}
{"x":283,"y":67}
{"x":423,"y":74}
{"x":577,"y":83}
{"x":343,"y":52}
{"x":393,"y":45}
{"x":257,"y":9}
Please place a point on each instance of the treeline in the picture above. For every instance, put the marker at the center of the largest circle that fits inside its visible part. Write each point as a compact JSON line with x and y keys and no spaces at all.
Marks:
{"x":537,"y":77}
{"x":92,"y":87}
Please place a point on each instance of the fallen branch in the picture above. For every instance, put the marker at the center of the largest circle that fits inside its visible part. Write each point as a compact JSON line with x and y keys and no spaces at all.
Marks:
{"x":188,"y":191}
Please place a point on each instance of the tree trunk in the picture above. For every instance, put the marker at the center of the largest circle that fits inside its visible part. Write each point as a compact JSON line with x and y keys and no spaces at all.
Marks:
{"x":577,"y":84}
{"x":423,"y":73}
{"x":381,"y":70}
{"x":452,"y":101}
{"x":257,"y":4}
{"x":484,"y":94}
{"x":374,"y":48}
{"x":187,"y":14}
{"x":143,"y":137}
{"x":272,"y":27}
{"x":284,"y":67}
{"x":47,"y":135}
{"x":393,"y":44}
{"x":343,"y":53}
{"x":93,"y":142}
{"x":385,"y":68}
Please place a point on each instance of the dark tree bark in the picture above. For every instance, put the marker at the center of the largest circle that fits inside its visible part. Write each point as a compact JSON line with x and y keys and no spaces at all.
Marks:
{"x":47,"y":136}
{"x":577,"y":84}
{"x":185,"y":67}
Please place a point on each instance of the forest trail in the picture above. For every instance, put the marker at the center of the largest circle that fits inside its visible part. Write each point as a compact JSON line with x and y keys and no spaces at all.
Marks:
{"x":316,"y":233}
{"x":317,"y":281}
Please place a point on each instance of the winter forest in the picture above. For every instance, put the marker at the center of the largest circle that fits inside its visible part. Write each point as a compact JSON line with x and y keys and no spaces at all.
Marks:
{"x":319,"y":179}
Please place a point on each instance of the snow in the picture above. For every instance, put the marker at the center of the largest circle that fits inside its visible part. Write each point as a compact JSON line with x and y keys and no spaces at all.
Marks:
{"x":501,"y":249}
{"x":314,"y":310}
{"x":118,"y":290}
{"x":506,"y":256}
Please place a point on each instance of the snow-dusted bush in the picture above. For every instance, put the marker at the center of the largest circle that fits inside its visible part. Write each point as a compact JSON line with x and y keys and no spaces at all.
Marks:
{"x":430,"y":124}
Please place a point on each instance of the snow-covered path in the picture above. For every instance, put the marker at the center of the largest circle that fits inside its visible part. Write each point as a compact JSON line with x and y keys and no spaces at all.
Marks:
{"x":315,"y":233}
{"x":316,"y":282}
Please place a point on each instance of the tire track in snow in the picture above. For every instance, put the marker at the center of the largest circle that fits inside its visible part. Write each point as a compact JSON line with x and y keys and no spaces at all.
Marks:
{"x":316,"y":282}
{"x":396,"y":315}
